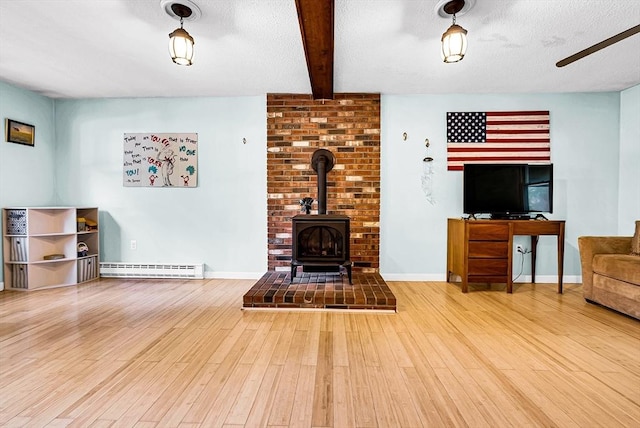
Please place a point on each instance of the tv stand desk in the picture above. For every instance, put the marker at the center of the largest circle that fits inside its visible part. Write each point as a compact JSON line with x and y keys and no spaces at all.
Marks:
{"x":481,"y":251}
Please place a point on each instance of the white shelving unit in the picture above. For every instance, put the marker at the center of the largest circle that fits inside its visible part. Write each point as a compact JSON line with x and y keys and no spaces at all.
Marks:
{"x":31,"y":236}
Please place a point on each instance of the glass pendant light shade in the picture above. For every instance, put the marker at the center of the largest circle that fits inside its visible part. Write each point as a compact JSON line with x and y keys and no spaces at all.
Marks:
{"x":181,"y":46}
{"x":454,"y":43}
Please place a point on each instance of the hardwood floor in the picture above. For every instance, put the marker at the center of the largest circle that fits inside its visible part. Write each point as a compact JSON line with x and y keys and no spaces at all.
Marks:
{"x":116,"y":353}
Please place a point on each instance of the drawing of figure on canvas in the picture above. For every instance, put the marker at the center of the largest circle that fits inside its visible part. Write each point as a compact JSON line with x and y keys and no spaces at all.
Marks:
{"x":167,"y":158}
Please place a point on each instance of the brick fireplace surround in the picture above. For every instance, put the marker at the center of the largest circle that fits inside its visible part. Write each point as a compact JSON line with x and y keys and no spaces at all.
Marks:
{"x":348,"y":126}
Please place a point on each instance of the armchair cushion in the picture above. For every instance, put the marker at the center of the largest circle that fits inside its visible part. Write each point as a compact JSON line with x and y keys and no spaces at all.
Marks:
{"x":619,"y":266}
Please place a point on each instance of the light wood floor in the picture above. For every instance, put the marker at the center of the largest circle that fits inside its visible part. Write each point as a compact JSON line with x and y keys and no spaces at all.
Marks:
{"x":118,"y":353}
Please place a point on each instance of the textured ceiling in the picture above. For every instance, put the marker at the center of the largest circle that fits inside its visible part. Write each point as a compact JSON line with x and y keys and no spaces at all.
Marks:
{"x":118,"y":48}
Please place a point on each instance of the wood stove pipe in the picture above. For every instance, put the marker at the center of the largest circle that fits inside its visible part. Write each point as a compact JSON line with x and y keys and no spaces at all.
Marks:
{"x":322,"y":162}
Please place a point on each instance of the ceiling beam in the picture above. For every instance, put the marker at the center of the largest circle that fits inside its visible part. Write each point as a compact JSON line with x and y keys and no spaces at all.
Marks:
{"x":316,"y":27}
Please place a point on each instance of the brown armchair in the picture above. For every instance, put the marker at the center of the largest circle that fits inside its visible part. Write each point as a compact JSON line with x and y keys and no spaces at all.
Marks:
{"x":610,"y":273}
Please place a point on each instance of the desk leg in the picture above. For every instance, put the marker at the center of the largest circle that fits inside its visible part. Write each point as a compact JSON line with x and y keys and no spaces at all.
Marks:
{"x":534,"y":246}
{"x":560,"y":257}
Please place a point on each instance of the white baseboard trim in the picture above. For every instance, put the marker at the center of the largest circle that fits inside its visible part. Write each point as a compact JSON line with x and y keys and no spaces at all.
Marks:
{"x":413,"y":277}
{"x":553,"y":279}
{"x":416,"y":277}
{"x":233,"y":275}
{"x":2,"y":286}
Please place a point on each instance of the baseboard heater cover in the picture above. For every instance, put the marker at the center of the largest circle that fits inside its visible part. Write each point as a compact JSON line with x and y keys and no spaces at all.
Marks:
{"x":151,"y":270}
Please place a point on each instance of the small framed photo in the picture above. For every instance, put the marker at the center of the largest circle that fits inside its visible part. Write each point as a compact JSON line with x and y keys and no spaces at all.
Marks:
{"x":20,"y":133}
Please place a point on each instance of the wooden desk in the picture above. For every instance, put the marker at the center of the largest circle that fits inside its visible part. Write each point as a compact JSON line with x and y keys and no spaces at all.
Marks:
{"x":481,"y":251}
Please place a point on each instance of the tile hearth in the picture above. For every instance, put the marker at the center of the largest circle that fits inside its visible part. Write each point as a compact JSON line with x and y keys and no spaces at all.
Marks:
{"x":320,"y":291}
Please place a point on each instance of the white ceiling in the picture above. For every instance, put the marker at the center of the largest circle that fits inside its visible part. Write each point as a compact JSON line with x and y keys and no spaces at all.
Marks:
{"x":118,"y":48}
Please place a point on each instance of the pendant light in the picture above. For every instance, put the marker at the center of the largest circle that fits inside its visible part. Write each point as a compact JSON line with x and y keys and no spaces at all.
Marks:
{"x":454,"y":40}
{"x":180,"y":42}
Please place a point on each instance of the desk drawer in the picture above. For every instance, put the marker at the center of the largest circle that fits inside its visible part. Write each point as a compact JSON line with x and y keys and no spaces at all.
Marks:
{"x":536,"y":227}
{"x":489,"y":249}
{"x":488,"y":267}
{"x":488,"y":232}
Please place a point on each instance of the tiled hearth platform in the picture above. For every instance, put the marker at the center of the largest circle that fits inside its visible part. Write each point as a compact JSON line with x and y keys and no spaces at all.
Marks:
{"x":320,"y":291}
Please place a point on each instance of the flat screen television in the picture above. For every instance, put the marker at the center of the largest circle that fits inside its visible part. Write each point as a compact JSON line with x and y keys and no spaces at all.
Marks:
{"x":507,"y":190}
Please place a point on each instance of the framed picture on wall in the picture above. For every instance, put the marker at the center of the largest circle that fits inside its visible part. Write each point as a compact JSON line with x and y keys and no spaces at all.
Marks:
{"x":20,"y":133}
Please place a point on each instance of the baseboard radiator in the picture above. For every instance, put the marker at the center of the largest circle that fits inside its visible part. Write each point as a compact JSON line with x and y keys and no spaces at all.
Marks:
{"x":151,"y":270}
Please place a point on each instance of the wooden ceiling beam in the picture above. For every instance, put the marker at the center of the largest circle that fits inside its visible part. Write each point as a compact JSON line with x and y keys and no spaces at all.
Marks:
{"x":316,"y":27}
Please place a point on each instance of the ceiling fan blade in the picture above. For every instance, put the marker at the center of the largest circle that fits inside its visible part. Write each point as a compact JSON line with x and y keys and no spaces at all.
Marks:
{"x":603,"y":44}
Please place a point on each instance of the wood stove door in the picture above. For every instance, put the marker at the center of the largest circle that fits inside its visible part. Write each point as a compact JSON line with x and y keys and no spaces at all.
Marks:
{"x":322,"y":243}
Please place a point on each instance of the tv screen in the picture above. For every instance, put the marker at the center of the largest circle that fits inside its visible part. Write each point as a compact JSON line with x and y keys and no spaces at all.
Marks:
{"x":507,"y":189}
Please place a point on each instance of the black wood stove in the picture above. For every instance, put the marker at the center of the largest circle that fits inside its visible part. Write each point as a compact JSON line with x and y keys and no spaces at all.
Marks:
{"x":321,"y":242}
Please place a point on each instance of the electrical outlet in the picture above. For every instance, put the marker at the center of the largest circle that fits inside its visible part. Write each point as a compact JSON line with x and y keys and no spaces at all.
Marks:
{"x":134,"y":244}
{"x":520,"y":248}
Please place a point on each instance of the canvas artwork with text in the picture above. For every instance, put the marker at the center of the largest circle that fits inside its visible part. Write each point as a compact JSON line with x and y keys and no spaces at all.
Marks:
{"x":160,"y":160}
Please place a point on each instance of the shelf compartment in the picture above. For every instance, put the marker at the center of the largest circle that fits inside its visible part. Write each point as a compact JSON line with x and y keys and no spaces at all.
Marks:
{"x":88,"y":268}
{"x":41,"y":246}
{"x":19,"y":276}
{"x":90,"y":215}
{"x":16,"y":221}
{"x":52,"y":274}
{"x":44,"y":221}
{"x":19,"y":249}
{"x":91,"y":239}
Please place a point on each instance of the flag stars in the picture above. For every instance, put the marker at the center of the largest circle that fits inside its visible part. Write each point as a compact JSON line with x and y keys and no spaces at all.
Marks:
{"x":466,"y":127}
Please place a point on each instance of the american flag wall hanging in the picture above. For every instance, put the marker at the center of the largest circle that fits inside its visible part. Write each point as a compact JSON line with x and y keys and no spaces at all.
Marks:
{"x":497,"y":137}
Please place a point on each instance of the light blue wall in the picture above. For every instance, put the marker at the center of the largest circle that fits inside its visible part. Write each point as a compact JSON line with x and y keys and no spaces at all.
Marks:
{"x":27,"y":174}
{"x":629,"y":187}
{"x":584,"y":150}
{"x":221,"y":223}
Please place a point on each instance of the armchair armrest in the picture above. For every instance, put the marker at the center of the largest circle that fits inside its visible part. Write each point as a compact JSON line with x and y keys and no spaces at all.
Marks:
{"x":590,"y":246}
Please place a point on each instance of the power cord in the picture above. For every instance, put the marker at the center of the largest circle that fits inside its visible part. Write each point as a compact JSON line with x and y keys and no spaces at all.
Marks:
{"x":522,"y":252}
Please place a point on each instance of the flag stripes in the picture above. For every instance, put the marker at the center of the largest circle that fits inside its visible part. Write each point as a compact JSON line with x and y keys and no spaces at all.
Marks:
{"x":497,"y":137}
